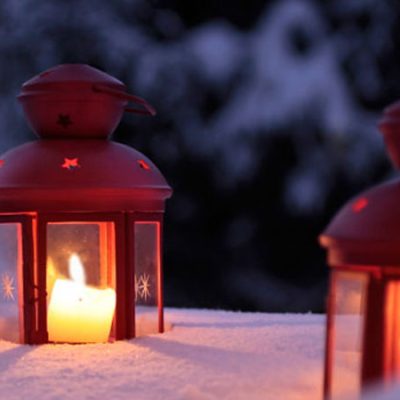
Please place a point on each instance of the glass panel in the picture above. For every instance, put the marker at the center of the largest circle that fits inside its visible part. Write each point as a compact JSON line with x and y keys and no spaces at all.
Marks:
{"x":147,"y":264}
{"x":392,"y":330}
{"x":348,"y":326}
{"x":11,"y":323}
{"x":80,"y":281}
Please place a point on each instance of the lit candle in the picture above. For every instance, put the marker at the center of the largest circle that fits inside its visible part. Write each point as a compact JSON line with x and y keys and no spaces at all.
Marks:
{"x":78,"y":313}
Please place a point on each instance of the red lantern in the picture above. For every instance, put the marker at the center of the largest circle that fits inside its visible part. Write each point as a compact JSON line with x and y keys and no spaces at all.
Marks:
{"x":81,"y":217}
{"x":363,"y":320}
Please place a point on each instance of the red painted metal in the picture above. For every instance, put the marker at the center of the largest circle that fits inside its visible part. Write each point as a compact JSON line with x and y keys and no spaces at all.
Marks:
{"x":365,"y":236}
{"x":329,"y":338}
{"x":75,"y":100}
{"x":40,"y":281}
{"x":369,"y":236}
{"x":160,"y":288}
{"x":72,"y":173}
{"x":372,"y":365}
{"x":129,"y":276}
{"x":108,"y":178}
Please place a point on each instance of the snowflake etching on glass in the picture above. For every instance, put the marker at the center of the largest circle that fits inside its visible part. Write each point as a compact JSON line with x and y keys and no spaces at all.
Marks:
{"x":142,"y":287}
{"x":7,"y":282}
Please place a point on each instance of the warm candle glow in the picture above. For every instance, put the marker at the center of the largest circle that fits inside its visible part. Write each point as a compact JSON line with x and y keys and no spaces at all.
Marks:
{"x":78,"y":313}
{"x":76,"y":270}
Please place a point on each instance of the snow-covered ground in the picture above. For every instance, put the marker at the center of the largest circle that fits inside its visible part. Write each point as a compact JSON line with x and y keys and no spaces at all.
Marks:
{"x":207,"y":355}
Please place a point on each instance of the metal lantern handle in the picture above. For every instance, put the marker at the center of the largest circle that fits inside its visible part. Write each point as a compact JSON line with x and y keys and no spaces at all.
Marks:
{"x":148,"y":108}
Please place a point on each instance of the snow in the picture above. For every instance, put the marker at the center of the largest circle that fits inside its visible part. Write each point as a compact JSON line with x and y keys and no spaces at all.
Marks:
{"x":219,"y":49}
{"x":207,"y":355}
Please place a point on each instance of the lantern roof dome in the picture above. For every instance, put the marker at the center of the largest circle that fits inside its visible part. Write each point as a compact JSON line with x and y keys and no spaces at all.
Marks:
{"x":367,"y":229}
{"x":372,"y":216}
{"x":74,"y":108}
{"x":79,"y":175}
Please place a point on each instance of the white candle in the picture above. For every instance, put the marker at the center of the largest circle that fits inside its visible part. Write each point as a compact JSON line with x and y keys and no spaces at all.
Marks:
{"x":78,"y":313}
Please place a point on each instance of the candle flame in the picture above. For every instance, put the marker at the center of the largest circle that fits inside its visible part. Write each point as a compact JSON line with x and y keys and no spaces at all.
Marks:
{"x":76,"y":270}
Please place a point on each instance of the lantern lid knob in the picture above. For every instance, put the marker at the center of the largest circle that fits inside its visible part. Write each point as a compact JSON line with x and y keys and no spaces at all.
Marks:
{"x":76,"y":101}
{"x":389,"y":125}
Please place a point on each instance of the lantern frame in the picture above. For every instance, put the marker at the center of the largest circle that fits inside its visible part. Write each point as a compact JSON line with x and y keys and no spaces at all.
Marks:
{"x":364,"y":237}
{"x":34,"y":244}
{"x":74,"y":174}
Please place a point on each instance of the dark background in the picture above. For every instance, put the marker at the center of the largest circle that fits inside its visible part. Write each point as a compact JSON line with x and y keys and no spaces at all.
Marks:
{"x":266,"y":124}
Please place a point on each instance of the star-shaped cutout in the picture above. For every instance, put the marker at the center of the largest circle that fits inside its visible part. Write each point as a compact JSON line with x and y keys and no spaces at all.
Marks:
{"x":70,"y":163}
{"x":143,"y":164}
{"x":359,"y":204}
{"x":64,"y":120}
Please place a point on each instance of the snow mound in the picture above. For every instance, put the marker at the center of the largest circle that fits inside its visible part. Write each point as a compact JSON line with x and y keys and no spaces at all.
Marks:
{"x":208,"y":355}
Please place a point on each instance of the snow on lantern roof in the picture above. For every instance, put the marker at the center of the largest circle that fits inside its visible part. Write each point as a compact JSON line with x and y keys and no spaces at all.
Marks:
{"x":366,"y":231}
